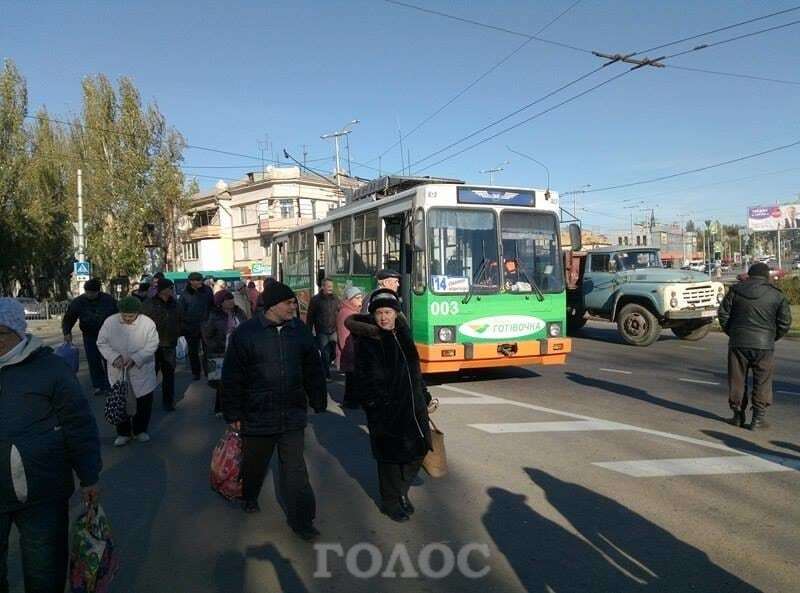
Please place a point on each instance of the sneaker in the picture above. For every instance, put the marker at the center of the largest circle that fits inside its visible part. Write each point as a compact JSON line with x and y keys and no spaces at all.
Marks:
{"x":143,"y":437}
{"x":121,"y":441}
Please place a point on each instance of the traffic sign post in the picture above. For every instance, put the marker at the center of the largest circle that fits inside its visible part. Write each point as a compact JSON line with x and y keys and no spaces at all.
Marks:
{"x":82,"y":270}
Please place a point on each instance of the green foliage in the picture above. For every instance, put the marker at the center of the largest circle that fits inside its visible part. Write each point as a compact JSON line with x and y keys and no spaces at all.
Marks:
{"x":790,"y":285}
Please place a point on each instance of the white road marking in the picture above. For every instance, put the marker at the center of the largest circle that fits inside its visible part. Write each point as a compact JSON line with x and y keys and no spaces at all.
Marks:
{"x":694,"y":348}
{"x":698,"y":381}
{"x":470,"y":400}
{"x":564,"y":426}
{"x":788,"y":392}
{"x":651,"y":468}
{"x":617,"y":371}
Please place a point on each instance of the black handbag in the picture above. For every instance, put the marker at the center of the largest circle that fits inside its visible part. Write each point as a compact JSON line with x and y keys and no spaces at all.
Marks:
{"x":115,"y":410}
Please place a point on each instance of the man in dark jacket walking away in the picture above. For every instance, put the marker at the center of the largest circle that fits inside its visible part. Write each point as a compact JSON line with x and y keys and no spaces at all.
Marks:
{"x":47,"y":431}
{"x":164,"y":311}
{"x":195,"y":306}
{"x":321,"y":319}
{"x":272,"y":370}
{"x":90,"y":310}
{"x":754,"y":314}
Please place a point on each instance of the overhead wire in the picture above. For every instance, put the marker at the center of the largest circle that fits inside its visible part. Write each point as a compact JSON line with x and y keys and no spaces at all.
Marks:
{"x":733,"y":74}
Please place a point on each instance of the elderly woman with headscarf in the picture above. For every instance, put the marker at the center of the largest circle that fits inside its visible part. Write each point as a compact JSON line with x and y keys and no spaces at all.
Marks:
{"x":225,"y":317}
{"x":128,"y":341}
{"x":351,"y":305}
{"x":390,"y":388}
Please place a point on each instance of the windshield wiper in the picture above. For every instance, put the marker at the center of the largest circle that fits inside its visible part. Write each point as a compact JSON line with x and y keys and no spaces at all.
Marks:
{"x":478,"y":276}
{"x":531,"y":281}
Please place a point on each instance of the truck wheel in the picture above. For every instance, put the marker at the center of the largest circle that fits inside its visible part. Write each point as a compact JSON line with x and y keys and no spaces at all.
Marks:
{"x":637,"y":325}
{"x":692,"y":333}
{"x":575,"y":320}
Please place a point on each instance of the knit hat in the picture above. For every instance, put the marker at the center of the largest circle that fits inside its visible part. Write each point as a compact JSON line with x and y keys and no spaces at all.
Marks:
{"x":760,"y":269}
{"x":385,"y":273}
{"x":165,"y":283}
{"x":12,"y":316}
{"x":130,"y":304}
{"x":275,"y":293}
{"x":195,"y":276}
{"x":93,"y":285}
{"x":383,"y":297}
{"x":222,"y":295}
{"x":352,"y":292}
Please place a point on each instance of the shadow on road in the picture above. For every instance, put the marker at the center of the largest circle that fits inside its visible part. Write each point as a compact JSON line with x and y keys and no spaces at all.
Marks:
{"x":785,"y":445}
{"x":611,"y":335}
{"x":287,"y":575}
{"x":478,"y":375}
{"x":229,"y":572}
{"x":741,"y":444}
{"x":640,"y":394}
{"x":615,"y":549}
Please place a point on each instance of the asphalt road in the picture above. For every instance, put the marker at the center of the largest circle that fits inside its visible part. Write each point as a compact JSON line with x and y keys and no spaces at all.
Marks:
{"x":613,"y":473}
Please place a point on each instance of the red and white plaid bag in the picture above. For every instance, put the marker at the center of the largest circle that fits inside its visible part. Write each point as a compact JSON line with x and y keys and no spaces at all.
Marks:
{"x":226,"y":464}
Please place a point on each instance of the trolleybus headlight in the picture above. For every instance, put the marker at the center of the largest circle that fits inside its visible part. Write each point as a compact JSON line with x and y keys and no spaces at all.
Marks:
{"x":446,"y":334}
{"x":554,"y":330}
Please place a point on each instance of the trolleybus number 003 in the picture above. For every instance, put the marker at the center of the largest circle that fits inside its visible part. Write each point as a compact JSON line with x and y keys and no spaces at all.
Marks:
{"x":444,"y":308}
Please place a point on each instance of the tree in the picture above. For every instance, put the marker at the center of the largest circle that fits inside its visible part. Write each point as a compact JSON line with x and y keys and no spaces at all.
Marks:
{"x":690,"y":226}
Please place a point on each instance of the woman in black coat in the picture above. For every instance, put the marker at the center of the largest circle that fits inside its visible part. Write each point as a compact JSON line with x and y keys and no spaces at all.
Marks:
{"x":390,"y":388}
{"x":224,"y":318}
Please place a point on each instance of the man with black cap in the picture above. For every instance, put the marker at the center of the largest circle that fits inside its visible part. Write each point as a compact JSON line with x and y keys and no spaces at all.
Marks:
{"x":386,"y":279}
{"x":195,"y":306}
{"x":272,"y":371}
{"x":163,"y":310}
{"x":754,"y":314}
{"x":91,"y":309}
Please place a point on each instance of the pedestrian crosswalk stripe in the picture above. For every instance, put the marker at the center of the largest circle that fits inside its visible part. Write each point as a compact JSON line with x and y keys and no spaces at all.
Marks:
{"x":732,"y":464}
{"x":471,"y":400}
{"x":563,"y":426}
{"x":698,"y":381}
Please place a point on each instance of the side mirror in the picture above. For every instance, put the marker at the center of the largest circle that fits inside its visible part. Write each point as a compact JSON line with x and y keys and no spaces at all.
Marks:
{"x":575,"y":237}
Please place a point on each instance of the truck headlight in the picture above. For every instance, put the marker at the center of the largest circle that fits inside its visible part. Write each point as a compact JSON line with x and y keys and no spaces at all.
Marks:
{"x":720,"y":294}
{"x":673,"y":302}
{"x":446,"y":334}
{"x":554,"y":330}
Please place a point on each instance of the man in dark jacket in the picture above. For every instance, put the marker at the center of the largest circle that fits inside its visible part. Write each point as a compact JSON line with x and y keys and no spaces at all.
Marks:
{"x":195,"y":306}
{"x":272,"y":370}
{"x":91,"y":309}
{"x":754,"y":314}
{"x":386,"y":279}
{"x":47,"y":431}
{"x":164,"y":311}
{"x":321,"y":319}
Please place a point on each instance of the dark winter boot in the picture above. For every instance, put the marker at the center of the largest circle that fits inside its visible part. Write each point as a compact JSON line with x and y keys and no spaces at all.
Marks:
{"x":759,"y":420}
{"x":739,"y":418}
{"x":406,"y":505}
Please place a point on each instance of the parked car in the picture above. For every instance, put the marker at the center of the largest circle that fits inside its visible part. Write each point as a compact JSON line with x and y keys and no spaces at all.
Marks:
{"x":776,"y":273}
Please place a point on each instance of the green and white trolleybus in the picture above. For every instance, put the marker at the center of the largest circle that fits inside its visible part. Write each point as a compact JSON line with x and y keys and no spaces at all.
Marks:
{"x":482,"y":277}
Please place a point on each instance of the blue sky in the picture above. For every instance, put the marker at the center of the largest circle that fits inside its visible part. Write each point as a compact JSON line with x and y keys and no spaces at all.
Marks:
{"x":227,"y":73}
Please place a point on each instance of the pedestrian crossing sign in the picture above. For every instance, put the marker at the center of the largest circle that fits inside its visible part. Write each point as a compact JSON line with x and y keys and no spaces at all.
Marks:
{"x":82,"y":268}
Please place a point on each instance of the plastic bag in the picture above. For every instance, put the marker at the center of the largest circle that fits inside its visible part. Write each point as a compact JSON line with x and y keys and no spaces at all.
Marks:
{"x":93,"y":561}
{"x":181,"y":349}
{"x":226,"y":464}
{"x":120,"y":402}
{"x":214,"y":369}
{"x":69,"y":352}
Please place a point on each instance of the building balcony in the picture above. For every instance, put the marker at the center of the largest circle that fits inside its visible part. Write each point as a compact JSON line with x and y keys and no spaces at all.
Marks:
{"x":204,"y":232}
{"x":270,"y":226}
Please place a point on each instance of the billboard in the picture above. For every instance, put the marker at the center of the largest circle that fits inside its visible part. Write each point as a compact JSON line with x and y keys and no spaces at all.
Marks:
{"x":772,"y":218}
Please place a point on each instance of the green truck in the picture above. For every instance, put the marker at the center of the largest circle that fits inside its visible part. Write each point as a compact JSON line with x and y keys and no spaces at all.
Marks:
{"x":630,"y":287}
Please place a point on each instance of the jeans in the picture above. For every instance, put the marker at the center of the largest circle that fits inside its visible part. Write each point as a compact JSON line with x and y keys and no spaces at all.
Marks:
{"x":295,"y":489}
{"x":144,"y":407}
{"x":97,"y":364}
{"x":44,"y":542}
{"x":762,"y":363}
{"x":165,"y":362}
{"x":193,"y":344}
{"x":327,"y":347}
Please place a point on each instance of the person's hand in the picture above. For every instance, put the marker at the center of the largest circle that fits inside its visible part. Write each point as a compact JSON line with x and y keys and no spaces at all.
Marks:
{"x":68,"y":338}
{"x":90,"y":495}
{"x":236,"y":426}
{"x":118,"y":363}
{"x":129,"y":364}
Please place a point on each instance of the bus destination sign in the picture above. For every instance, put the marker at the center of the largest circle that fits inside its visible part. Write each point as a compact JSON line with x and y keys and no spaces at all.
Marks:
{"x":495,"y":197}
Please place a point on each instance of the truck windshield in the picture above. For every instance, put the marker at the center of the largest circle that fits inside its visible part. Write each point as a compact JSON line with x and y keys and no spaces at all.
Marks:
{"x":530,"y":252}
{"x":632,"y":260}
{"x":463,"y":250}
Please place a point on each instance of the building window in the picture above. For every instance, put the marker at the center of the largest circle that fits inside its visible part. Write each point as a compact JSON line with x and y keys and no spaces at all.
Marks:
{"x":340,"y":246}
{"x":638,"y":240}
{"x":287,"y":209}
{"x":365,"y":243}
{"x":243,"y":215}
{"x":243,"y":249}
{"x":644,"y":240}
{"x":619,"y":240}
{"x":190,"y":250}
{"x":626,"y":241}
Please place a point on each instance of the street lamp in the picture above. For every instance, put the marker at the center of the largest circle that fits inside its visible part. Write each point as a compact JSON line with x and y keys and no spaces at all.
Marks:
{"x":345,"y":131}
{"x":530,"y":158}
{"x":493,"y":170}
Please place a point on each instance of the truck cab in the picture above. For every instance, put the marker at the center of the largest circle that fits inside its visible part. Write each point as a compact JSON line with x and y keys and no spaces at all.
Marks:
{"x":630,"y":287}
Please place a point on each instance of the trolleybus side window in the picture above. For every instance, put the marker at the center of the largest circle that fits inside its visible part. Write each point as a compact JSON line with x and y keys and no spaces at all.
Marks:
{"x":365,"y":243}
{"x":340,"y":248}
{"x":391,"y":244}
{"x":298,"y":259}
{"x":419,"y":272}
{"x":530,"y":252}
{"x":463,"y":250}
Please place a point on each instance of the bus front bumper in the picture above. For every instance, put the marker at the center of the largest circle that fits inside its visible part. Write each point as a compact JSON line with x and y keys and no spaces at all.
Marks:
{"x":448,"y":358}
